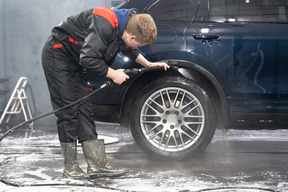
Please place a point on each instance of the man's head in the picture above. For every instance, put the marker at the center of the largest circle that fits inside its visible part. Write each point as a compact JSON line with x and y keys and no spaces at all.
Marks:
{"x":142,"y":29}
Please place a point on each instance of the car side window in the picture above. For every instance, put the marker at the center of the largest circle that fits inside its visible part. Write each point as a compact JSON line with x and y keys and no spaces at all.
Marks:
{"x":275,"y":11}
{"x":173,"y":10}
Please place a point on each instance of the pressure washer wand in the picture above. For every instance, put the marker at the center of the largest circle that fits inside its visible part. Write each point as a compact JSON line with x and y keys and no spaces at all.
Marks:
{"x":129,"y":72}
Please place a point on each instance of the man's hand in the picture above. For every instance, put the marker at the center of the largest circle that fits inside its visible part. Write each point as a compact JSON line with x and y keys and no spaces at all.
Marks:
{"x":160,"y":64}
{"x":144,"y":62}
{"x":117,"y":76}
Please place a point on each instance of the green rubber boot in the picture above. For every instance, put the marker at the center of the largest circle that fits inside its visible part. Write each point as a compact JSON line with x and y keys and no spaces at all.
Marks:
{"x":95,"y":155}
{"x":71,"y":167}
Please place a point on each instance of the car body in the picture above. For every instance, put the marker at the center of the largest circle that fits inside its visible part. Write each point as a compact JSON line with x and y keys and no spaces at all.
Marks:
{"x":231,"y":58}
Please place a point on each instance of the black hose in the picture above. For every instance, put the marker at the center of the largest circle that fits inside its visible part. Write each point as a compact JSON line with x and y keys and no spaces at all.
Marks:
{"x":55,"y":111}
{"x":129,"y":72}
{"x":59,"y":185}
{"x":235,"y":188}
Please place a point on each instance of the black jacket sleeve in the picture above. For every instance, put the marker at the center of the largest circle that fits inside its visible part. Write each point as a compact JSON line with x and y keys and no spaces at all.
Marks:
{"x":131,"y":53}
{"x":101,"y":34}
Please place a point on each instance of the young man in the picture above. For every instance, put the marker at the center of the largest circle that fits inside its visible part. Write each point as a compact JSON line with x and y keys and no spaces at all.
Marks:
{"x":91,"y":40}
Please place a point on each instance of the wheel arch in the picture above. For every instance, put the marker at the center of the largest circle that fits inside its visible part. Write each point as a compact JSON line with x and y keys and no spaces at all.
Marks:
{"x":186,"y":69}
{"x":131,"y":88}
{"x":210,"y":84}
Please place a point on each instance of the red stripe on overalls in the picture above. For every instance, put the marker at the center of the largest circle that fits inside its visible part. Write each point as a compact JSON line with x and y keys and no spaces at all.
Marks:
{"x":108,"y":14}
{"x":59,"y":45}
{"x":56,"y":46}
{"x":74,"y":41}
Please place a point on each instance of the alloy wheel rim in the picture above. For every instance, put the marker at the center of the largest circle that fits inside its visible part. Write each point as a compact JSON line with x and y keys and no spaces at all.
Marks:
{"x":172,"y":119}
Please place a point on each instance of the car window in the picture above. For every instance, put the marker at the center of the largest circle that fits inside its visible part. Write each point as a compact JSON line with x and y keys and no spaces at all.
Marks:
{"x":248,"y":11}
{"x":173,"y":10}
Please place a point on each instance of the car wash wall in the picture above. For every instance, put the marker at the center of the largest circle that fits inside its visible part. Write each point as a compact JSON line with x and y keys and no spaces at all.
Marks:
{"x":24,"y":28}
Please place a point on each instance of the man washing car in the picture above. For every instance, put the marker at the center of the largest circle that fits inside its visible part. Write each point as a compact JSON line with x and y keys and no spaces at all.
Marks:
{"x":91,"y":40}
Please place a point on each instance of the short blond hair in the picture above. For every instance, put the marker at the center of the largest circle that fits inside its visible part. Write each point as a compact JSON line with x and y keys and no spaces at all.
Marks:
{"x":143,"y":27}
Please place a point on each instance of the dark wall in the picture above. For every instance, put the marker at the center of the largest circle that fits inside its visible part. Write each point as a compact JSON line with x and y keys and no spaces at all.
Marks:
{"x":24,"y":28}
{"x":1,"y":40}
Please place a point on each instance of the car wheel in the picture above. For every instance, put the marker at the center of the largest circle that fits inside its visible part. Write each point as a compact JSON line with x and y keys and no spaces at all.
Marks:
{"x":173,"y":117}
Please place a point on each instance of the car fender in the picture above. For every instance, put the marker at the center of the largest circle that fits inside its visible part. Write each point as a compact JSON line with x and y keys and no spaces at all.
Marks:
{"x":183,"y":68}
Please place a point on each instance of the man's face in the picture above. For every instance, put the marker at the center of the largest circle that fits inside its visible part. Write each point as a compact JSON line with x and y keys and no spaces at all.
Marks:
{"x":134,"y":43}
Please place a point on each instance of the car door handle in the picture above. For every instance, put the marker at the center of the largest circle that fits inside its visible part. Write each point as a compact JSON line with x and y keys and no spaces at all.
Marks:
{"x":205,"y":37}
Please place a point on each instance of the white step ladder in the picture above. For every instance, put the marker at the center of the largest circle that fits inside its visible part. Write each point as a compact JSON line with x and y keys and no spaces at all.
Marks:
{"x":18,"y":102}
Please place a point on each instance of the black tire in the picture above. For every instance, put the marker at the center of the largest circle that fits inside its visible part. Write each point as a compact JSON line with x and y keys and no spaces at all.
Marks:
{"x":172,"y":118}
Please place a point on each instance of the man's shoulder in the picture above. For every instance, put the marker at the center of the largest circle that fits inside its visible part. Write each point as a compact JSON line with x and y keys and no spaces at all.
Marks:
{"x":108,"y":14}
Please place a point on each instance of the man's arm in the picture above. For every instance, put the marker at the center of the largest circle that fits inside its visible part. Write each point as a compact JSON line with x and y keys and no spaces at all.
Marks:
{"x":144,"y":62}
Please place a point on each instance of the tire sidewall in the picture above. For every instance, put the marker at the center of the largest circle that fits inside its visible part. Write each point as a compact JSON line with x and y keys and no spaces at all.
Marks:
{"x":198,"y":92}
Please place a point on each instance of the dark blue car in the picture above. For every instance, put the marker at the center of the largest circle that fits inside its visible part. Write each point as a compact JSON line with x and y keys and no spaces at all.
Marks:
{"x":232,"y":59}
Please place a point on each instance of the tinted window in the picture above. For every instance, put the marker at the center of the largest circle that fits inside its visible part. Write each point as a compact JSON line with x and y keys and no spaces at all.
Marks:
{"x":173,"y":10}
{"x":248,"y":11}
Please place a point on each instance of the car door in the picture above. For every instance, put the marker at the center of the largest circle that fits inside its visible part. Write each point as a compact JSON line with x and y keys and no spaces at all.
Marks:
{"x":247,"y":42}
{"x":171,"y":18}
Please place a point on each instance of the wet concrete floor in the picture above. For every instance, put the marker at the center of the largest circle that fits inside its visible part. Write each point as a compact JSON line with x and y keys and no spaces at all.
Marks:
{"x":253,"y":161}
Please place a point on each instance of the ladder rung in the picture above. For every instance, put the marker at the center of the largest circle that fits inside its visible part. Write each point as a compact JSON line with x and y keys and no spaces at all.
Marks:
{"x":11,"y":112}
{"x":18,"y":98}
